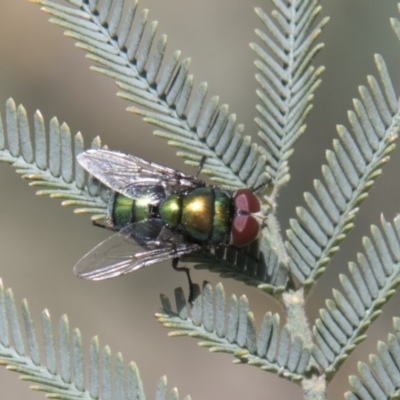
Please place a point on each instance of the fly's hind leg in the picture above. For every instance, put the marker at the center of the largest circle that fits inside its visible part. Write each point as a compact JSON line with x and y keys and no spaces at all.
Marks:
{"x":175,"y":262}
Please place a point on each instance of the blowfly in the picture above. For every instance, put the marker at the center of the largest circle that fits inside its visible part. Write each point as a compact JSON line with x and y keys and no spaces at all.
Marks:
{"x":162,"y":214}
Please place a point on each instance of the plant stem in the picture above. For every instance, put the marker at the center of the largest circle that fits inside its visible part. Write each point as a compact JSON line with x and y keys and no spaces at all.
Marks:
{"x":314,"y":388}
{"x":295,"y":314}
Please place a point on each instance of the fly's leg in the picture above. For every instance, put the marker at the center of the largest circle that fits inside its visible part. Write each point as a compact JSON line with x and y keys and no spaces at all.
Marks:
{"x":270,"y":205}
{"x":261,"y":186}
{"x":194,"y":180}
{"x":201,"y":165}
{"x":175,"y":262}
{"x":105,"y":226}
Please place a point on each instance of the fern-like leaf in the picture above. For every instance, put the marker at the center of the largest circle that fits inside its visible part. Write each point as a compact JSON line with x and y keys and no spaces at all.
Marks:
{"x":230,"y":328}
{"x":382,"y":379}
{"x":49,"y":160}
{"x":287,"y":79}
{"x":110,"y":379}
{"x":373,"y":282}
{"x":257,"y":265}
{"x":123,"y":47}
{"x":353,"y":165}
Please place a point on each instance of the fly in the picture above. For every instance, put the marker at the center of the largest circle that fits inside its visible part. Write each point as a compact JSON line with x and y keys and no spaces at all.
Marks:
{"x":162,"y":214}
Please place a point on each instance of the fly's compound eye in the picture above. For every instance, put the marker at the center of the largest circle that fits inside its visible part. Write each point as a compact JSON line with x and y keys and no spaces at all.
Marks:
{"x":245,"y":229}
{"x":246,"y":201}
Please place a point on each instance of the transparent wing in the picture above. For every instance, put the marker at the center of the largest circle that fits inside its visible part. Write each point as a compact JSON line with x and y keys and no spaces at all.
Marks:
{"x":136,"y":246}
{"x":122,"y":172}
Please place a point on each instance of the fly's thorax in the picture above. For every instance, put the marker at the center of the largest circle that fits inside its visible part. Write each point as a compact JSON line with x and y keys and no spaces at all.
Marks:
{"x":124,"y":210}
{"x":197,"y":213}
{"x":223,"y":213}
{"x":206,"y":214}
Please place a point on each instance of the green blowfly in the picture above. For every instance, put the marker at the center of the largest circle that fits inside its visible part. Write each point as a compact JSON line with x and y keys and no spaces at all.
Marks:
{"x":162,"y":214}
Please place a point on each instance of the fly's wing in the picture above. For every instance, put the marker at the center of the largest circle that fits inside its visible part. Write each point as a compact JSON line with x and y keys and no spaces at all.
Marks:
{"x":122,"y":173}
{"x":136,"y":246}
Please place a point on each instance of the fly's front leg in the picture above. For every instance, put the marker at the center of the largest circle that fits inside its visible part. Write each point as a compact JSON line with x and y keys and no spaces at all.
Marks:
{"x":261,"y":186}
{"x":201,"y":165}
{"x":194,"y":180}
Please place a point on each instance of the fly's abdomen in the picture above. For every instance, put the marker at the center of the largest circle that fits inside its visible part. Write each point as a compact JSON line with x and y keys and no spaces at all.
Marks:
{"x":144,"y":205}
{"x":120,"y":210}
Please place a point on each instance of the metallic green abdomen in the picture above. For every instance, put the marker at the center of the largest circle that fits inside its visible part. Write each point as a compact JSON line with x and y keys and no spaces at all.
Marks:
{"x":120,"y":210}
{"x":124,"y":210}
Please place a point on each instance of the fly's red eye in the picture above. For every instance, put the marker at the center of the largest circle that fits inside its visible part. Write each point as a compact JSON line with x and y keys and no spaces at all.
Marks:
{"x":245,"y":200}
{"x":245,"y":229}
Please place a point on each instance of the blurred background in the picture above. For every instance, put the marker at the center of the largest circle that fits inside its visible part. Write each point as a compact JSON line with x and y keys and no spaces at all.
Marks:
{"x":40,"y":241}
